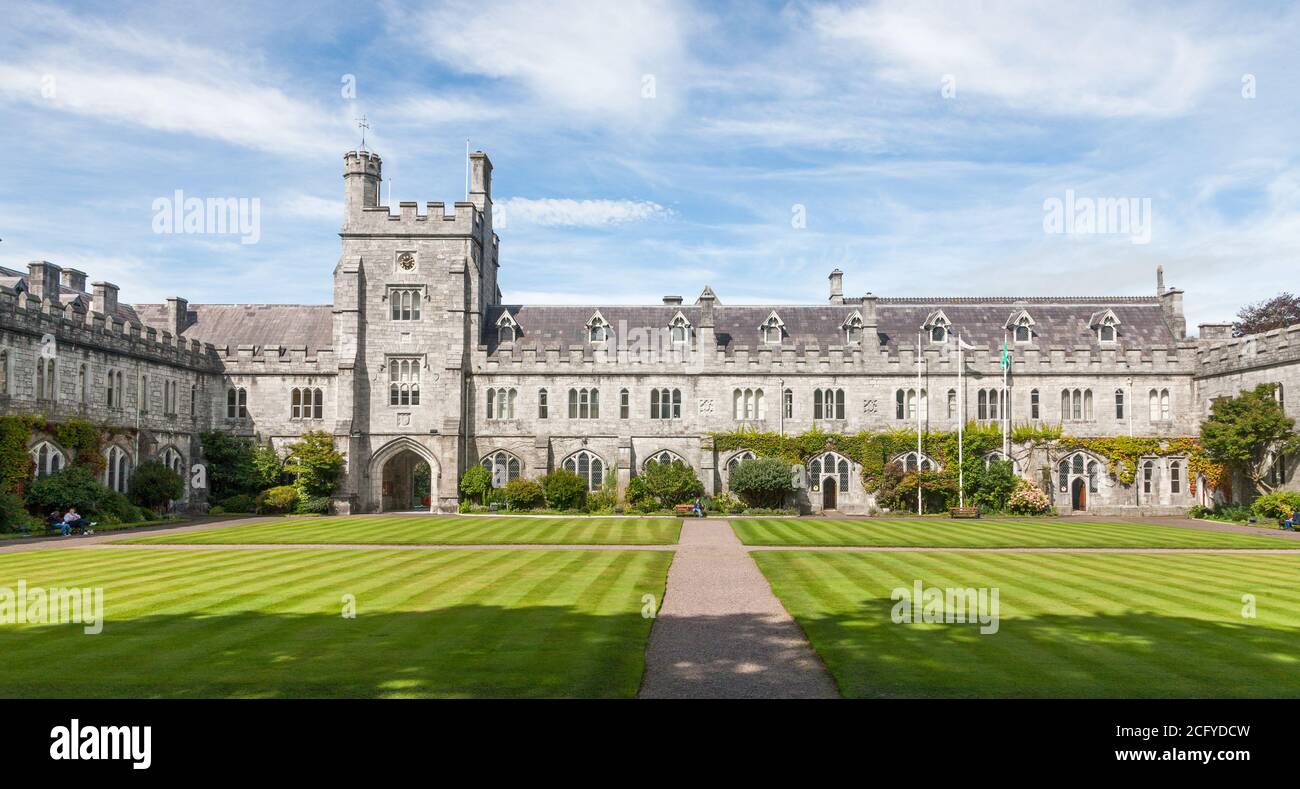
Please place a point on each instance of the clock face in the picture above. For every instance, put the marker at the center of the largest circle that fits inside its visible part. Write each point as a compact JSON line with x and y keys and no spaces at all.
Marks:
{"x":407,"y":261}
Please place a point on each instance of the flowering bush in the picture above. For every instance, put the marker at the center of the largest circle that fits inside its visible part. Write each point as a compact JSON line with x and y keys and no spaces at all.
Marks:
{"x":1028,"y":499}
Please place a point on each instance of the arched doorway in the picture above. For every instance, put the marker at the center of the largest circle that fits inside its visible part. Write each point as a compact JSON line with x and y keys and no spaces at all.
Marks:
{"x":829,"y":492}
{"x":1079,"y":495}
{"x":403,"y":478}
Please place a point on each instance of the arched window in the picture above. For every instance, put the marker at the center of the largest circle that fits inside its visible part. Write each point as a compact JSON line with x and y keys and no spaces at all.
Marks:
{"x":853,"y":330}
{"x":830,"y":464}
{"x":83,"y":384}
{"x":48,"y":459}
{"x":680,"y":329}
{"x":4,"y":372}
{"x":828,"y":404}
{"x":317,"y":404}
{"x":900,"y":404}
{"x":1119,"y":403}
{"x":236,"y":402}
{"x":295,"y":407}
{"x":1034,"y":410}
{"x":735,"y":461}
{"x":117,"y":469}
{"x":996,"y":456}
{"x":1076,"y":466}
{"x":403,"y":381}
{"x":45,"y":384}
{"x":664,"y":458}
{"x":1076,"y":404}
{"x":1148,"y":476}
{"x":1063,"y":475}
{"x":624,"y":404}
{"x":911,"y":461}
{"x":1022,"y":330}
{"x":505,"y":333}
{"x":543,"y":404}
{"x":405,"y":304}
{"x":748,"y":404}
{"x":787,"y":399}
{"x":597,"y":328}
{"x":665,"y":403}
{"x":501,"y":403}
{"x":194,"y":399}
{"x":588,"y":466}
{"x":171,"y":458}
{"x":952,"y":404}
{"x":584,"y":403}
{"x":503,"y":467}
{"x":988,"y":404}
{"x":772,"y":329}
{"x":1094,"y":476}
{"x":1175,"y":477}
{"x":142,"y":388}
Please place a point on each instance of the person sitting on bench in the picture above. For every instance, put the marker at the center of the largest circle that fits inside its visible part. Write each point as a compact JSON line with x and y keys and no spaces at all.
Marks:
{"x":1289,"y":523}
{"x":698,"y":509}
{"x":73,"y":520}
{"x":55,"y":522}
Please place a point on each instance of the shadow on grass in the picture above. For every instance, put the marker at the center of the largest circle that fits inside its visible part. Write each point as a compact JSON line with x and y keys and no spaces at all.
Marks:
{"x":460,"y":651}
{"x":1129,"y":655}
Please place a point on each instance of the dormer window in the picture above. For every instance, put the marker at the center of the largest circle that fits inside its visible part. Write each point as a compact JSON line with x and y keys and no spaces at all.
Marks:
{"x":597,"y":328}
{"x":507,"y":328}
{"x":936,"y":326}
{"x":1107,"y":325}
{"x":772,"y":330}
{"x":680,"y":329}
{"x":853,"y":329}
{"x":1022,"y":327}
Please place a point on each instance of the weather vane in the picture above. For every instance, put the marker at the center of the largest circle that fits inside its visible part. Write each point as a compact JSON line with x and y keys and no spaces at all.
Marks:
{"x":362,"y":124}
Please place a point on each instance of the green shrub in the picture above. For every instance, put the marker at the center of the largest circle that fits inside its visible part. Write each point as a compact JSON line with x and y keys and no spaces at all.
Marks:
{"x":13,"y":514}
{"x":763,"y":482}
{"x":465,"y":507}
{"x":153,"y":485}
{"x":673,"y":483}
{"x":217,"y":510}
{"x":564,"y":490}
{"x":476,"y":482}
{"x":240,"y":502}
{"x":74,"y":486}
{"x":315,"y":464}
{"x":638,"y":496}
{"x":724,"y":502}
{"x":990,"y":488}
{"x":230,"y":466}
{"x":313,"y":505}
{"x":1277,"y":505}
{"x":277,"y":500}
{"x":605,"y":499}
{"x":494,"y":496}
{"x":524,"y":494}
{"x":116,"y":508}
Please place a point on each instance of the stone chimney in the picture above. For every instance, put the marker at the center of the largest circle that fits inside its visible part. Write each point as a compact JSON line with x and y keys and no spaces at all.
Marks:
{"x":178,"y":314}
{"x":76,"y":280}
{"x":1215,"y":331}
{"x":43,"y":280}
{"x":674,"y":301}
{"x":837,"y":287}
{"x":870,"y":322}
{"x":104,"y":299}
{"x":480,"y":179}
{"x":1171,"y":301}
{"x":1160,"y":280}
{"x":706,"y":302}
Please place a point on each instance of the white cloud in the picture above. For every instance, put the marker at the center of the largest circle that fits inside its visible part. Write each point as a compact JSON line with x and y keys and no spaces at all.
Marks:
{"x":310,"y":207}
{"x":575,"y":213}
{"x":122,"y":75}
{"x":1065,"y":59}
{"x":572,"y":56}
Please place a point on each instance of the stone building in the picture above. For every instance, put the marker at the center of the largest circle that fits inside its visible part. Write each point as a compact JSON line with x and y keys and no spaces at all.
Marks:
{"x":418,"y":362}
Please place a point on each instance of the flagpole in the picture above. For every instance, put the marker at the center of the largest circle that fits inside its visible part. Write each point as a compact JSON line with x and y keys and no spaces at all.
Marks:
{"x":918,"y":423}
{"x":961,"y":424}
{"x":1006,"y":397}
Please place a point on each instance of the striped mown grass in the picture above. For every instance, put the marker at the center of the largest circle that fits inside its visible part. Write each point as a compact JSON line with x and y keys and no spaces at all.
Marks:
{"x":990,"y":533}
{"x":433,"y":530}
{"x":267,"y":623}
{"x":1071,"y":625}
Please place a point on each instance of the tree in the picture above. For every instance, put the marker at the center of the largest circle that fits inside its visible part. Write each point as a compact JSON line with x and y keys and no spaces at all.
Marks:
{"x":230,"y":465}
{"x":74,"y":486}
{"x":763,"y":482}
{"x":476,"y":482}
{"x":316,"y":464}
{"x":268,"y":465}
{"x":1248,"y":433}
{"x":564,"y":490}
{"x":153,"y":485}
{"x":1275,"y":313}
{"x":671,"y":483}
{"x":991,"y":487}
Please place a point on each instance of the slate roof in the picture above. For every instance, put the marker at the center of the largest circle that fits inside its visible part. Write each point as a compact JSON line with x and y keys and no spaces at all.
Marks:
{"x":1058,"y":322}
{"x":231,"y":325}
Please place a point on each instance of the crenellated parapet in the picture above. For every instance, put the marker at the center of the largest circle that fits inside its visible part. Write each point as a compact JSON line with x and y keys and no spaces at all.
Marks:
{"x":277,"y":360}
{"x":1224,"y":356}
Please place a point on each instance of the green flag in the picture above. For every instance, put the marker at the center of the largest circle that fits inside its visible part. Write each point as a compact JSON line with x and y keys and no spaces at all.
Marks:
{"x":1006,"y":355}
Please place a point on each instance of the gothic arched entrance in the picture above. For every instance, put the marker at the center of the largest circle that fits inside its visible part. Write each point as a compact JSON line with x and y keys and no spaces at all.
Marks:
{"x":1079,"y":495}
{"x":404,"y":477}
{"x":829,"y":491}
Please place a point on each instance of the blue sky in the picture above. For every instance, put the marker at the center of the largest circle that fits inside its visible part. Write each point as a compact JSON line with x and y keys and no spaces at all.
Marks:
{"x":760,"y":113}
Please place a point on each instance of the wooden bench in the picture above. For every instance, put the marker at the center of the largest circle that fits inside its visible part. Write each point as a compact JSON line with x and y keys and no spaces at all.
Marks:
{"x":964,"y":512}
{"x":684,"y":509}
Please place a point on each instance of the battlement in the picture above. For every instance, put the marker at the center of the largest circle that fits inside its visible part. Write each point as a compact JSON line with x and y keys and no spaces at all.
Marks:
{"x":74,"y":324}
{"x":1237,"y":354}
{"x":276,"y":360}
{"x":362,"y":163}
{"x":465,"y":220}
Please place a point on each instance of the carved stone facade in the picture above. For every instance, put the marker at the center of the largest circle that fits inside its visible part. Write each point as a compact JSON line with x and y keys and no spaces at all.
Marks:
{"x":418,"y":361}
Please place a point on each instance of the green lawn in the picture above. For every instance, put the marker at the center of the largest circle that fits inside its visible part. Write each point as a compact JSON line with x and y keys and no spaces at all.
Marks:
{"x":267,"y":623}
{"x":1072,"y":625}
{"x":434,"y":530}
{"x":991,"y":533}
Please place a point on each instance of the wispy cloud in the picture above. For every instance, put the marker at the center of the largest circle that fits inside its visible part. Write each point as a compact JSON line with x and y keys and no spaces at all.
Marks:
{"x":575,"y":213}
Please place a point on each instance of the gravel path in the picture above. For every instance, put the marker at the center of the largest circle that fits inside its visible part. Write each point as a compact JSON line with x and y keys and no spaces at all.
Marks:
{"x":721,"y":633}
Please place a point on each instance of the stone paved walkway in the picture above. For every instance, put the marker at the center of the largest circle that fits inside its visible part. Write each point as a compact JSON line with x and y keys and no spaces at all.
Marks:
{"x":721,"y":633}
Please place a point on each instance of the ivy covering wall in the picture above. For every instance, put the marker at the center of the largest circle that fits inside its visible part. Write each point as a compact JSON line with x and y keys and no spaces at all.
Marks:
{"x":873,"y":451}
{"x":81,"y":441}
